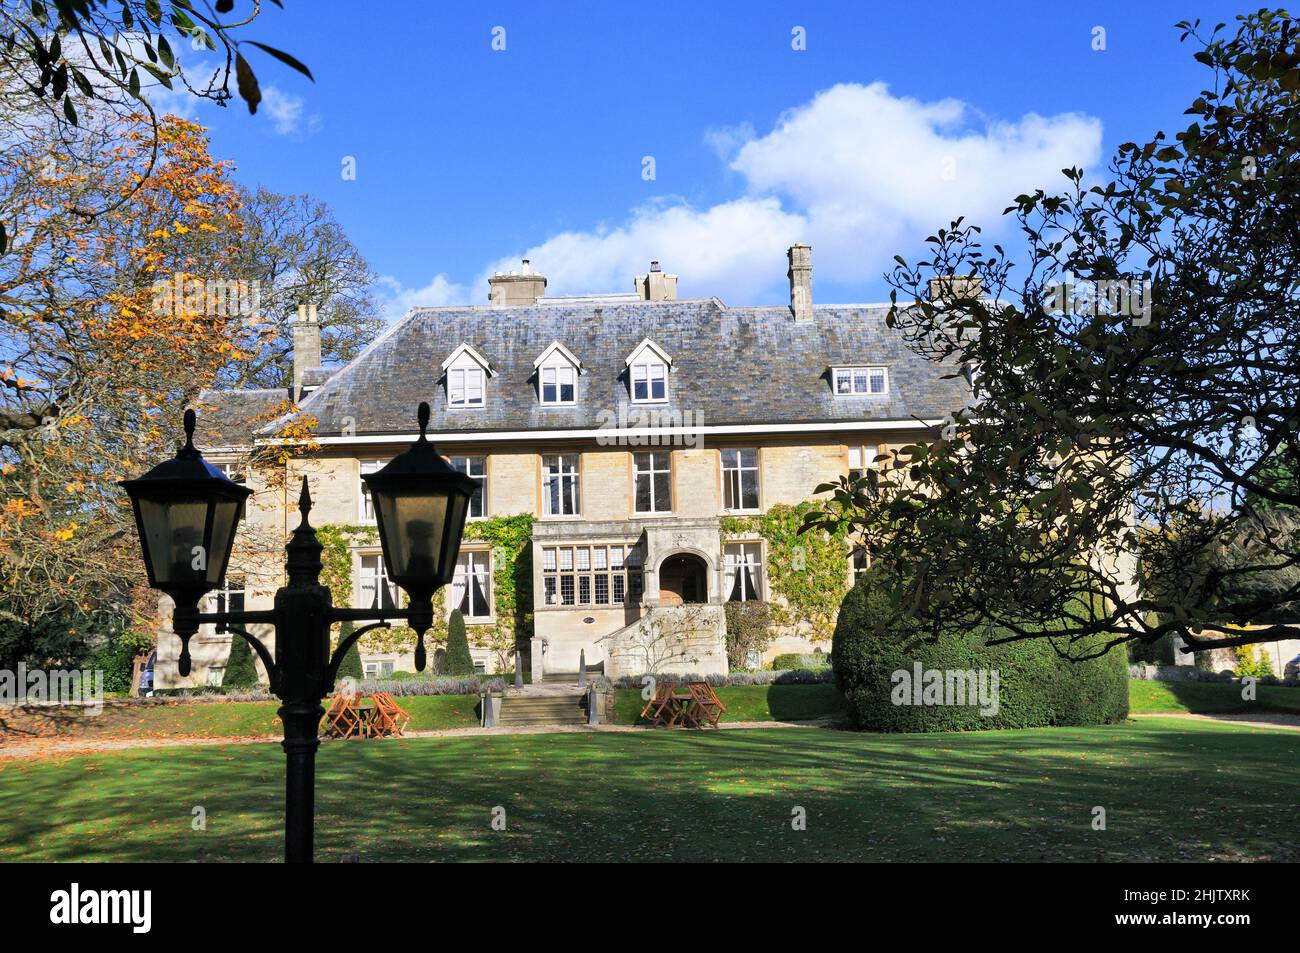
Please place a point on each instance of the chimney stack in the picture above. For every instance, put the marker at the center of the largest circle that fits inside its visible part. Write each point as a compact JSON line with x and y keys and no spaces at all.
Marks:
{"x":948,"y":288}
{"x":516,"y":290}
{"x":800,"y":274}
{"x":655,"y":286}
{"x":306,"y":346}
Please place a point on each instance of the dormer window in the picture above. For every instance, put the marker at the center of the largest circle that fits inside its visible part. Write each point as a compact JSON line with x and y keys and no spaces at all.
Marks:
{"x":647,"y":369}
{"x":467,"y":373}
{"x":861,"y":381}
{"x":557,"y":375}
{"x":465,"y":387}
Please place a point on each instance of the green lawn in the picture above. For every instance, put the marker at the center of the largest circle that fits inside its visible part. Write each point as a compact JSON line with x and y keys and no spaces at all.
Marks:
{"x":1173,"y":790}
{"x":1209,"y":697}
{"x":751,"y":703}
{"x":218,"y":719}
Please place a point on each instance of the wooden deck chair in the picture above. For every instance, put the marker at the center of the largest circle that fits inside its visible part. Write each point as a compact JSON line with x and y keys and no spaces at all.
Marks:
{"x":654,"y":710}
{"x":708,"y":705}
{"x":392,"y":718}
{"x":341,"y":720}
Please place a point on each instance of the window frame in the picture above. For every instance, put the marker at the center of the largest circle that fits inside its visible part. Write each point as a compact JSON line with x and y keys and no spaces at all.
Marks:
{"x":866,"y":373}
{"x":235,"y":472}
{"x":620,"y":566}
{"x":471,"y":556}
{"x":862,"y":468}
{"x":644,"y":366}
{"x":480,"y":481}
{"x":557,"y":369}
{"x":464,"y":370}
{"x":653,"y":473}
{"x":549,"y":477}
{"x":380,"y":577}
{"x":730,"y":570}
{"x":739,"y":471}
{"x":363,"y":492}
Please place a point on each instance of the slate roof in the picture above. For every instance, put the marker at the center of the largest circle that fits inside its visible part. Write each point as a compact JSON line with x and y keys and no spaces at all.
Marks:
{"x":730,"y":365}
{"x":227,"y":418}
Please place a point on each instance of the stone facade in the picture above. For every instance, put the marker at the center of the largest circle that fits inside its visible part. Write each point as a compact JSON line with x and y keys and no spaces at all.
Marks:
{"x":611,"y":582}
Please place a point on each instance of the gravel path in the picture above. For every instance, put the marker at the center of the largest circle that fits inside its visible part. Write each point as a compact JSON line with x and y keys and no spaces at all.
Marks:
{"x":1281,"y":720}
{"x":61,"y":747}
{"x":64,"y":747}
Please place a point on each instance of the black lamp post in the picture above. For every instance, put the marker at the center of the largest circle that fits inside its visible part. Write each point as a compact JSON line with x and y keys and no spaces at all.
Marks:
{"x":186,"y":511}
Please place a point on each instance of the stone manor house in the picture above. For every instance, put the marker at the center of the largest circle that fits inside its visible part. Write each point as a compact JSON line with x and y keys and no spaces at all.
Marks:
{"x":628,"y":425}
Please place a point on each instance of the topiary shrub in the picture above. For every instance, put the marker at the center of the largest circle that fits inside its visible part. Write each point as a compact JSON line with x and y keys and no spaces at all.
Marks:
{"x":240,"y":670}
{"x":1035,"y":686}
{"x":457,"y":661}
{"x":350,"y":667}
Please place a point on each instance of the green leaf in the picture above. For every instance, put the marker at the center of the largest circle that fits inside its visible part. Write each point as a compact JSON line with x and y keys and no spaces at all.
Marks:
{"x":249,"y":91}
{"x":69,"y":110}
{"x":284,"y":57}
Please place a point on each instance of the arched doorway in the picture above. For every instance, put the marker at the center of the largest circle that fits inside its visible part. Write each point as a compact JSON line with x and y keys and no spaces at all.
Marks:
{"x":683,"y":577}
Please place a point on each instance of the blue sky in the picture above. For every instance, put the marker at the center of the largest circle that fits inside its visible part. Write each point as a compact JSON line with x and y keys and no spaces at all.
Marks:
{"x":895,"y":118}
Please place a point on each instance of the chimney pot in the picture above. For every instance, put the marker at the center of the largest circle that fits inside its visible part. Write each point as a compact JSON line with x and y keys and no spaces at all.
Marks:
{"x":654,"y":266}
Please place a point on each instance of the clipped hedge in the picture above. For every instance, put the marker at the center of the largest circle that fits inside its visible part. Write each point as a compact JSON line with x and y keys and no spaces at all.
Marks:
{"x":794,"y":662}
{"x":1035,"y":685}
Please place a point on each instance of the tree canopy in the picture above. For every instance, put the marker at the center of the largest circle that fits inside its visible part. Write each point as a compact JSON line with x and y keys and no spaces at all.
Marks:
{"x":1135,"y":362}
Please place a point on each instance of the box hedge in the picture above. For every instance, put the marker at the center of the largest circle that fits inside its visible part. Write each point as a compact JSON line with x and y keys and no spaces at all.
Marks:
{"x":1035,"y":685}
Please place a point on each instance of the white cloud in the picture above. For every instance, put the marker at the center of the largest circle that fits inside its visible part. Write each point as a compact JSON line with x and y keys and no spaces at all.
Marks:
{"x":875,"y":173}
{"x":857,"y":172}
{"x":726,"y":140}
{"x":397,"y":299}
{"x":717,"y":250}
{"x":286,"y":112}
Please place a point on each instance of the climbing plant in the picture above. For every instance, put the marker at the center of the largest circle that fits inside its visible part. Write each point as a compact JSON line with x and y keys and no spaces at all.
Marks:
{"x":512,"y":585}
{"x":807,"y":573}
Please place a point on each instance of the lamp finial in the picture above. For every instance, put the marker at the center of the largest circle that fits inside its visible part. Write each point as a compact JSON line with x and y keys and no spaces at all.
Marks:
{"x":422,"y":415}
{"x":191,"y":419}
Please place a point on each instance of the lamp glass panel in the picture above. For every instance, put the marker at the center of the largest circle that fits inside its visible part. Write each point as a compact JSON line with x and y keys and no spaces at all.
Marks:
{"x":225,"y":517}
{"x":451,"y":539}
{"x":414,"y":526}
{"x":174,"y":539}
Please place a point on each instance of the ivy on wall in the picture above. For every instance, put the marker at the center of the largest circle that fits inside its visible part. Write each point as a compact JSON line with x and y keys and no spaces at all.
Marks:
{"x":807,"y":574}
{"x":512,"y":585}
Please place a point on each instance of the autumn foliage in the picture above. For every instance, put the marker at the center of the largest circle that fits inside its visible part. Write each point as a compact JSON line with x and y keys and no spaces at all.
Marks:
{"x":97,"y":360}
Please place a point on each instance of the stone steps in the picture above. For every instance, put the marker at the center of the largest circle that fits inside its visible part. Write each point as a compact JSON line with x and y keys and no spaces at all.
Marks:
{"x":542,"y":710}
